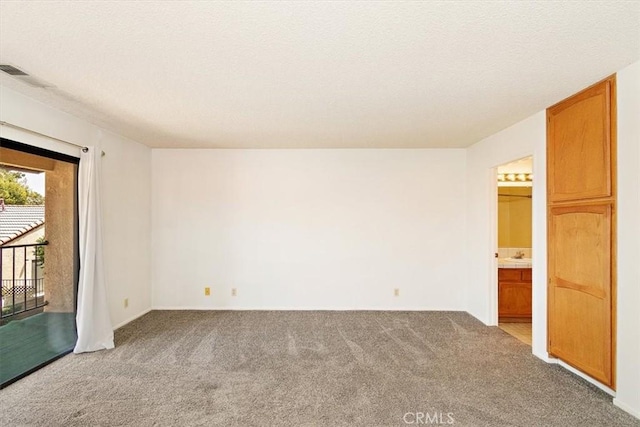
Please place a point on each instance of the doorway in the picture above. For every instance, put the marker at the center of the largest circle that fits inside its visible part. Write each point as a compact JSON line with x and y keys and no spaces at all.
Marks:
{"x":514,"y":199}
{"x":39,"y":258}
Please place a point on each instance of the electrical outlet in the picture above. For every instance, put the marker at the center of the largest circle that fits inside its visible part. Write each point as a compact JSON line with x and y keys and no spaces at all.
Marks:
{"x":207,"y":291}
{"x":396,"y":292}
{"x":126,"y":302}
{"x":234,"y":292}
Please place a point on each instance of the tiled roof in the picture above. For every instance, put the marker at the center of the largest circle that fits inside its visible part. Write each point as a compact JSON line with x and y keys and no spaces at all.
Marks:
{"x":16,"y":220}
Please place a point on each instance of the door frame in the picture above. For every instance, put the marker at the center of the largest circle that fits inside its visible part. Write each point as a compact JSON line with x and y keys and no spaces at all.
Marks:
{"x":493,"y":229}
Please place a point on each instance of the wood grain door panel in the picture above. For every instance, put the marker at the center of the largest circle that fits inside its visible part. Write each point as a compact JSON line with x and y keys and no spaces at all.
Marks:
{"x":581,"y":332}
{"x":579,"y":160}
{"x":580,"y":254}
{"x":580,"y":287}
{"x":581,"y":197}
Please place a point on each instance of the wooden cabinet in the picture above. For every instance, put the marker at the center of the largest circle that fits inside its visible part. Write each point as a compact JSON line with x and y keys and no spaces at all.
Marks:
{"x":514,"y":294}
{"x":581,"y":226}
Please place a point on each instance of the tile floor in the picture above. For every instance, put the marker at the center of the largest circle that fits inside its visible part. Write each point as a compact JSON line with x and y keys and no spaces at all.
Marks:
{"x":522,"y":331}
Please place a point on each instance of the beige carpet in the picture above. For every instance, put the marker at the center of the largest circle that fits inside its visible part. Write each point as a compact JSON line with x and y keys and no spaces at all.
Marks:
{"x":307,"y":369}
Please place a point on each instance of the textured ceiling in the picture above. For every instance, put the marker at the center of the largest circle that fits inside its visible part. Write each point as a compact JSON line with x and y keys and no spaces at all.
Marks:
{"x":313,"y":74}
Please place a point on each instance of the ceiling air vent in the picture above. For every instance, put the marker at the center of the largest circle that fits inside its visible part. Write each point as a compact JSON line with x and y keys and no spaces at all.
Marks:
{"x":24,"y":77}
{"x":11,"y":70}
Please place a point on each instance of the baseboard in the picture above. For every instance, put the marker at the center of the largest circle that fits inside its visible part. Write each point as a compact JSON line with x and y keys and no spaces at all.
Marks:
{"x":553,"y":360}
{"x":249,"y":308}
{"x":545,"y":357}
{"x":584,"y":376}
{"x":628,"y":409}
{"x":131,"y":319}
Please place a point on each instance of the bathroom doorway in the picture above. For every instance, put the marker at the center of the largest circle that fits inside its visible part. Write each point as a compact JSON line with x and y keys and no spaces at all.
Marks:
{"x":514,"y":187}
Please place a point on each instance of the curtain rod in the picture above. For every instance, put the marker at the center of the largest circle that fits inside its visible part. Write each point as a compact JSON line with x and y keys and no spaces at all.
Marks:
{"x":11,"y":125}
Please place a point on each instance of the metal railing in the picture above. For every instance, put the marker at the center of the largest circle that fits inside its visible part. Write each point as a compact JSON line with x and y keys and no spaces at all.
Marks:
{"x":22,"y":289}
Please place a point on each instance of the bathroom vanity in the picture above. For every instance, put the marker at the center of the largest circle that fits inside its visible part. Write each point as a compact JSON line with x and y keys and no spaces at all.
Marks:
{"x":514,"y":294}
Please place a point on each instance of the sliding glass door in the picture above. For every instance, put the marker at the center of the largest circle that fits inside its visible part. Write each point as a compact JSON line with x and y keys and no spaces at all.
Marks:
{"x":39,"y":258}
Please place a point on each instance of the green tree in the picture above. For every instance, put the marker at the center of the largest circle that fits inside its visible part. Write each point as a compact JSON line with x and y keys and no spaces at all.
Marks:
{"x":39,"y":251}
{"x":15,"y":191}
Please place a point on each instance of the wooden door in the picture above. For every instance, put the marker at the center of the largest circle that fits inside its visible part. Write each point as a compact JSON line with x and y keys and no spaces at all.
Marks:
{"x":581,"y":230}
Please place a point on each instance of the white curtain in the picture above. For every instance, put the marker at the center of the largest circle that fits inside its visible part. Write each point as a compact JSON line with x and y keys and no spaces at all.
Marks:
{"x":93,"y":322}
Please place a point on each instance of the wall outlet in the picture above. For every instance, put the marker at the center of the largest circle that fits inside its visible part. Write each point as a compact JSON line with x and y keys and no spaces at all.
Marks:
{"x":126,"y":302}
{"x":396,"y":292}
{"x":207,"y":291}
{"x":234,"y":292}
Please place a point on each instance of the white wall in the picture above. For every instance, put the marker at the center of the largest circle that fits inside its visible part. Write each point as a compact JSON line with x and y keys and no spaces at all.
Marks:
{"x":628,"y":322}
{"x":126,"y":191}
{"x":309,"y":229}
{"x":529,"y":137}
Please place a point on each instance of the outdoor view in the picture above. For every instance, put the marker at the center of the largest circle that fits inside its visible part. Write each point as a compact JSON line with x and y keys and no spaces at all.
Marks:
{"x":21,"y":239}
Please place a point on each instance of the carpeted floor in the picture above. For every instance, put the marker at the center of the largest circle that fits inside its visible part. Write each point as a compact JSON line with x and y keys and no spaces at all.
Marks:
{"x":239,"y":368}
